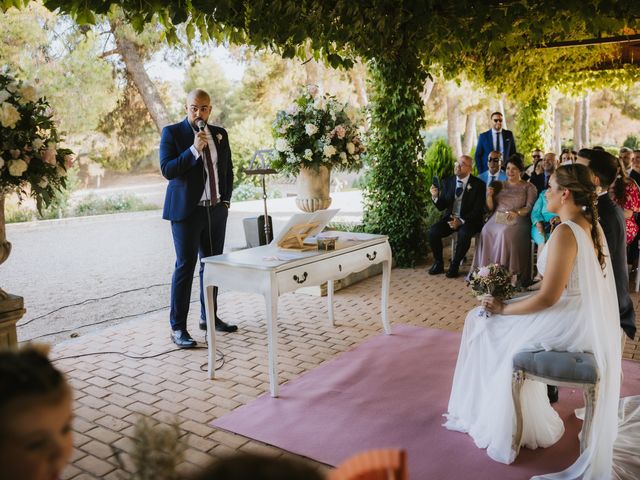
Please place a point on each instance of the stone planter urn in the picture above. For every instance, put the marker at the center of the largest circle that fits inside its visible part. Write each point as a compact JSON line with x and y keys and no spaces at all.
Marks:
{"x":313,"y":189}
{"x":11,"y":306}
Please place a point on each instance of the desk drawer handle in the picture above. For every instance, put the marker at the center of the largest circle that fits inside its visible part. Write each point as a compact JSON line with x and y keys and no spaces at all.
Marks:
{"x":300,"y":280}
{"x":372,"y":257}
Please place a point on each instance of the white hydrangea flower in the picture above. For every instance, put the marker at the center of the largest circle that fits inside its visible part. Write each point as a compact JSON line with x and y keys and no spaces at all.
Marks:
{"x":17,"y":167}
{"x":9,"y":115}
{"x":282,"y":145}
{"x":37,"y":144}
{"x":329,"y":151}
{"x":308,"y":154}
{"x":28,"y":94}
{"x":310,"y":128}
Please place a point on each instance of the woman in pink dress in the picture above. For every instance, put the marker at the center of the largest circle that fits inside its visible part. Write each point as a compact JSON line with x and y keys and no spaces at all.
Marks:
{"x":505,"y":238}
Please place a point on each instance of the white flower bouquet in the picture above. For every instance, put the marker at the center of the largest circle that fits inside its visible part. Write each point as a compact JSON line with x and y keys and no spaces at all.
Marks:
{"x":493,"y":280}
{"x":31,"y":162}
{"x":316,"y":131}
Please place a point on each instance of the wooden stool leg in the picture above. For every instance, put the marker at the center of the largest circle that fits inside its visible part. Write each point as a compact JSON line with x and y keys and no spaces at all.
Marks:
{"x":590,"y":396}
{"x":516,"y":386}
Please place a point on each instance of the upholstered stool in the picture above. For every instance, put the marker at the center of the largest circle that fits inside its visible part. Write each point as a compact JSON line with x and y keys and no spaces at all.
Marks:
{"x":565,"y":369}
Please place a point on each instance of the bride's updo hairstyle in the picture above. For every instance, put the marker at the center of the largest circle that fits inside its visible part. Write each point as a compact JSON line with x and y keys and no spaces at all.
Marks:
{"x":579,"y":181}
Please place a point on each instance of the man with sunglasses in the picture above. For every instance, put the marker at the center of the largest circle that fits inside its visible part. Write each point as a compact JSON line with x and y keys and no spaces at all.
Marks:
{"x":496,"y":139}
{"x":196,"y":159}
{"x":494,"y":161}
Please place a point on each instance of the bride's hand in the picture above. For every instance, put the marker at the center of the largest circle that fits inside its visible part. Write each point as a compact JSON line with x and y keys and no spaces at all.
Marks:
{"x":492,"y":304}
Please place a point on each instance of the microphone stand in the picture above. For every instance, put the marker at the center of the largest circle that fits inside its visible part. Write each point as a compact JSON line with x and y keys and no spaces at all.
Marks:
{"x":260,"y":165}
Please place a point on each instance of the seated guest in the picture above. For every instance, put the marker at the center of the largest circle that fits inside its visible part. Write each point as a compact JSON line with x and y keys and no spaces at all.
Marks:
{"x":542,"y":221}
{"x":462,"y":197}
{"x":541,"y":182}
{"x":35,"y":416}
{"x":625,"y":156}
{"x":634,"y":173}
{"x":626,"y":194}
{"x":495,"y":173}
{"x":505,"y":238}
{"x":566,"y":157}
{"x":536,"y":158}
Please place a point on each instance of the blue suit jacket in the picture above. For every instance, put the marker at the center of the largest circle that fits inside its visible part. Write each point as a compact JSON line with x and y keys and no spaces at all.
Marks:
{"x":485,"y":147}
{"x":501,"y":176}
{"x":186,"y":173}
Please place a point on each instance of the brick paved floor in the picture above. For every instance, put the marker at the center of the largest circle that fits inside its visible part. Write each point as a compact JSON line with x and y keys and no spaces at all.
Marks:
{"x":112,"y":390}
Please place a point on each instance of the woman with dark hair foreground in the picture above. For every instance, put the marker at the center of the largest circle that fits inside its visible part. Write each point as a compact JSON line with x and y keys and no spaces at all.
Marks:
{"x":35,"y":416}
{"x":574,"y":310}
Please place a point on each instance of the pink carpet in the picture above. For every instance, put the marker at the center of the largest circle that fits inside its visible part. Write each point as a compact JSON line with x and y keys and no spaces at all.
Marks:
{"x":391,"y":391}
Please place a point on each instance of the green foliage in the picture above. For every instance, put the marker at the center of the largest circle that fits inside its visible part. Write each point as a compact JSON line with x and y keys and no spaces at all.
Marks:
{"x":248,"y":191}
{"x":94,"y":205}
{"x":132,"y":133}
{"x":533,"y":129}
{"x":346,"y":227}
{"x":62,"y":62}
{"x":395,"y":199}
{"x":245,"y":138}
{"x":438,"y":161}
{"x":632,"y":142}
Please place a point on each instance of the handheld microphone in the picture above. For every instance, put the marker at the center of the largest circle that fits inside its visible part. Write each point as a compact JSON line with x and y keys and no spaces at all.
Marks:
{"x":200,"y":124}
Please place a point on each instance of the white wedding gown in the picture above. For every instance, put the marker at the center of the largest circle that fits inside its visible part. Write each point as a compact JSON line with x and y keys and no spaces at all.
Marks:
{"x":585,"y":318}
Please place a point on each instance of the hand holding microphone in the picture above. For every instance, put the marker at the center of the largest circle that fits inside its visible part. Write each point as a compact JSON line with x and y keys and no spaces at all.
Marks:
{"x":200,"y":140}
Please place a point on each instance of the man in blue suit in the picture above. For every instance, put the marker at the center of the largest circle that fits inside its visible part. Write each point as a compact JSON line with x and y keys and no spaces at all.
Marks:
{"x":495,"y":172}
{"x":496,"y":139}
{"x":196,"y":159}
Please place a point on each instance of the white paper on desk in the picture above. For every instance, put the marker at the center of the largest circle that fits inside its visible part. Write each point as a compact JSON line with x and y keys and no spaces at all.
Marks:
{"x":322,"y":217}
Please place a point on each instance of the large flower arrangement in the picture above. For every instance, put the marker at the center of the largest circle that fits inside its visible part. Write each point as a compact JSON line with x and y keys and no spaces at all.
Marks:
{"x":316,"y":131}
{"x":31,"y":162}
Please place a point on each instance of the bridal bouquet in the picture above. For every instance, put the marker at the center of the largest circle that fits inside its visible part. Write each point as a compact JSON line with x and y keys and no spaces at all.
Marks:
{"x":316,"y":131}
{"x":29,"y":152}
{"x":493,"y":280}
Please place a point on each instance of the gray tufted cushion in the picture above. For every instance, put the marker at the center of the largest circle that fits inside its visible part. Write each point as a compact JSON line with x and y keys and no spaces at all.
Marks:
{"x":561,"y":366}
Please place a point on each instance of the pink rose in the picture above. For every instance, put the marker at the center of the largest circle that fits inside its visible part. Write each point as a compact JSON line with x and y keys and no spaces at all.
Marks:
{"x":49,"y":156}
{"x":340,"y":131}
{"x":484,"y":272}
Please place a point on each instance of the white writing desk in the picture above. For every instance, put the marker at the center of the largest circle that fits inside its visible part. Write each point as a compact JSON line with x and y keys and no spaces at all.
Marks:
{"x":271,"y":272}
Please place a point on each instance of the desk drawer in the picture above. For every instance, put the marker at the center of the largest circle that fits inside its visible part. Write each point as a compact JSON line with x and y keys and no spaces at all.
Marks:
{"x":332,"y":268}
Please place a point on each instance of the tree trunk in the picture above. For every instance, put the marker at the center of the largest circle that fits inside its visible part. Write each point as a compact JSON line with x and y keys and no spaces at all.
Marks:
{"x":312,"y":69}
{"x":501,"y":110}
{"x":577,"y":125}
{"x":586,"y":135}
{"x":557,"y":132}
{"x":469,"y":133}
{"x":453,"y":125}
{"x":148,"y":91}
{"x":357,"y":74}
{"x":427,"y":89}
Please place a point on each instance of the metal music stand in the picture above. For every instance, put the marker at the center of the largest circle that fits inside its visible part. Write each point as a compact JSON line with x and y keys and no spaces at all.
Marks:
{"x":260,"y":164}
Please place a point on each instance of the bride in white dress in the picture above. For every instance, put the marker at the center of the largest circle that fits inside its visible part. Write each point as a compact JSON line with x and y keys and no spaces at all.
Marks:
{"x":574,"y":310}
